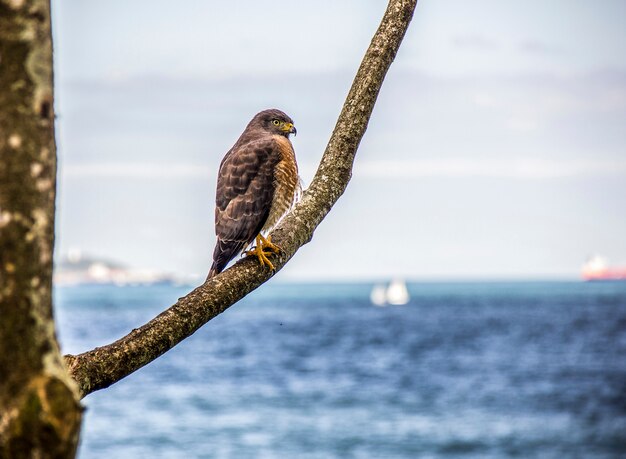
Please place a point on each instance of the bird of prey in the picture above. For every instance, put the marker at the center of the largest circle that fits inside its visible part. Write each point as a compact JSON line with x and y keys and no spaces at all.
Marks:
{"x":257,"y":184}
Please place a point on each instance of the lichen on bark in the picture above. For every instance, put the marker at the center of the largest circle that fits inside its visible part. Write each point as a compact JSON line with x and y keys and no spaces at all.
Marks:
{"x":39,"y":409}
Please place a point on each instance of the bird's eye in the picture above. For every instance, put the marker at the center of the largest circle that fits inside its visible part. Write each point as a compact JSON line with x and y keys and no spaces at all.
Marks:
{"x":275,"y":122}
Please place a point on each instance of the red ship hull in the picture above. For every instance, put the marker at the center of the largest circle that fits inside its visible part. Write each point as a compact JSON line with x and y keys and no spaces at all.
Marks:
{"x":605,"y":274}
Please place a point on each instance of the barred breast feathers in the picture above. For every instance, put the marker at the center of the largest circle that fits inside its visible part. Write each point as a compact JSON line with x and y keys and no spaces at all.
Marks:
{"x":286,"y":183}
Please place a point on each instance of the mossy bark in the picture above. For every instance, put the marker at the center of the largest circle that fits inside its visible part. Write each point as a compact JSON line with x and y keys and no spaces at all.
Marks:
{"x":101,"y":367}
{"x":39,"y":409}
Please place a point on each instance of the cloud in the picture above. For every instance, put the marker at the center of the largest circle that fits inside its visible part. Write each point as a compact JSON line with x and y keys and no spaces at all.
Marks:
{"x":485,"y":100}
{"x":522,"y":124}
{"x":475,"y":41}
{"x":539,"y":48}
{"x":136,"y":171}
{"x":516,"y":168}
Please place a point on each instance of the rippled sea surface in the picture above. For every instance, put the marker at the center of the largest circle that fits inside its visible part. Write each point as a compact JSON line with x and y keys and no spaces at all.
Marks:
{"x":468,"y":370}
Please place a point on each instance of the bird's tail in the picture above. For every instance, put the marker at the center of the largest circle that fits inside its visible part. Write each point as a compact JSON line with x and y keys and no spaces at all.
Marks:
{"x":225,"y":250}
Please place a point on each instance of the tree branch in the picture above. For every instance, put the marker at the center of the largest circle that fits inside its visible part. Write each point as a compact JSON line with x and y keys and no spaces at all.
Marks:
{"x":103,"y":366}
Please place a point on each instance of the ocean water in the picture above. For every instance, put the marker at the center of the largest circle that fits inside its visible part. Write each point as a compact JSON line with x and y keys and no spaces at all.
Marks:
{"x":465,"y":370}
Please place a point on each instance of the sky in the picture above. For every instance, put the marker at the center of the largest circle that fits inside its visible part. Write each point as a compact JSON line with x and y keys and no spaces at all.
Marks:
{"x":497,"y":148}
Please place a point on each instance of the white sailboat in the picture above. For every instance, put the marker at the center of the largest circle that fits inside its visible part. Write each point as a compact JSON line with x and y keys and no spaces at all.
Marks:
{"x":395,"y":294}
{"x":378,"y":295}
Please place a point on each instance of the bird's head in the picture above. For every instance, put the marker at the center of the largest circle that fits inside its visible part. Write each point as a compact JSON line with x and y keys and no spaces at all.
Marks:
{"x":275,"y":122}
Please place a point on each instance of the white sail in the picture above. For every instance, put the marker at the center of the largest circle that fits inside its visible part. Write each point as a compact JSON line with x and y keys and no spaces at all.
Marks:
{"x":397,"y":293}
{"x":378,"y":295}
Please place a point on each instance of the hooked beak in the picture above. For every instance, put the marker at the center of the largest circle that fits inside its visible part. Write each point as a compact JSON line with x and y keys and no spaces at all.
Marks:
{"x":290,"y":128}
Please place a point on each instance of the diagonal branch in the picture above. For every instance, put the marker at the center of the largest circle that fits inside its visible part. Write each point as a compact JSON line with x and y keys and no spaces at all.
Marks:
{"x":103,"y":366}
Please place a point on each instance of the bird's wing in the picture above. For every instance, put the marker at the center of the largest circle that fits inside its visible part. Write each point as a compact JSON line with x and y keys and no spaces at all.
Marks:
{"x":245,"y":187}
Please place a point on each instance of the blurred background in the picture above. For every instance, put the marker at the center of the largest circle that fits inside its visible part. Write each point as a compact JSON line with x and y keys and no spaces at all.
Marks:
{"x":496,"y":149}
{"x":439,"y":310}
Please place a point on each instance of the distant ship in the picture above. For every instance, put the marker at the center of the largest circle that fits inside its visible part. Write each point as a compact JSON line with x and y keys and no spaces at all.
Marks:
{"x":597,"y":268}
{"x":78,"y":269}
{"x":395,"y":294}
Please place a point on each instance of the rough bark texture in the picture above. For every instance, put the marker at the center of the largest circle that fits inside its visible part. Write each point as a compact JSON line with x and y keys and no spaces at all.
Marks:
{"x":106,"y":365}
{"x":39,"y":408}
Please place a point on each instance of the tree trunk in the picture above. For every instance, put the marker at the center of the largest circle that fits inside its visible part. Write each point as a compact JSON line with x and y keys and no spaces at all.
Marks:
{"x":39,"y":409}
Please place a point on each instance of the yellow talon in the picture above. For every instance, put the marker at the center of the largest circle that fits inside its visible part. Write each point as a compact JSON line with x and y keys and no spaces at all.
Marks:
{"x":259,"y":250}
{"x":267,"y":243}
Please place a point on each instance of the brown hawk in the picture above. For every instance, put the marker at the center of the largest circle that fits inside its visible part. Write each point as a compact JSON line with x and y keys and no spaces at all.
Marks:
{"x":256,"y":185}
